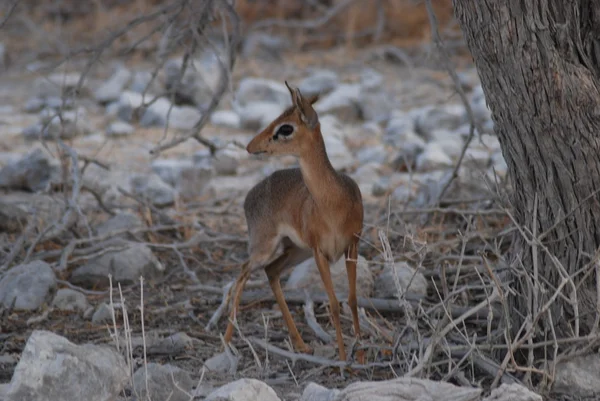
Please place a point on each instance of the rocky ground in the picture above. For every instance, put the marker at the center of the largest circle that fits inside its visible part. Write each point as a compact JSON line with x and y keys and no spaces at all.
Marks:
{"x":175,"y":218}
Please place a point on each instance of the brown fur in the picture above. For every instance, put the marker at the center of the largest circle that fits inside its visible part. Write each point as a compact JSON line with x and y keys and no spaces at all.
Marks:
{"x":308,"y":211}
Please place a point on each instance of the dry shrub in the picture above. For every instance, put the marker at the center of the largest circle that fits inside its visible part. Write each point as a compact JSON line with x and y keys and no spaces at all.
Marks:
{"x":405,"y":22}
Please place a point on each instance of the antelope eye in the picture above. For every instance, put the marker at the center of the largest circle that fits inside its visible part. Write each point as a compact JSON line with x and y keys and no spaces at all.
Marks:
{"x":285,"y":130}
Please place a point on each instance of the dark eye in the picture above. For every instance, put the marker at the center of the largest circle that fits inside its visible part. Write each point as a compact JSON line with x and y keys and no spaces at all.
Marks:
{"x":285,"y":130}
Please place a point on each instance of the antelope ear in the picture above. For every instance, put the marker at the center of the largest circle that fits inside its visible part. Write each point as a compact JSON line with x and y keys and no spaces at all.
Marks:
{"x":313,"y":99}
{"x":295,"y":94}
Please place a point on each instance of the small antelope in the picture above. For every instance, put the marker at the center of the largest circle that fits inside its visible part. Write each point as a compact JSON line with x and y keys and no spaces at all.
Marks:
{"x":308,"y":211}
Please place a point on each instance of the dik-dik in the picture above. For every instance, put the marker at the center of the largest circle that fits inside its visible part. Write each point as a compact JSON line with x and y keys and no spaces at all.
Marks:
{"x":308,"y":211}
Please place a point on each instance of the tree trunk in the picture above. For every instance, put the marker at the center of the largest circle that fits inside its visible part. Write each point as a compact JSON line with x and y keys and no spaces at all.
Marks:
{"x":539,"y":64}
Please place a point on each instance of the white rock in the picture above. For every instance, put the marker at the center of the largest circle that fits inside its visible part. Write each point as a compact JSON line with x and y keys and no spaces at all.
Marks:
{"x":119,"y":128}
{"x":162,"y":382}
{"x":244,"y":390}
{"x":398,"y":279}
{"x":162,"y":112}
{"x":52,"y":368}
{"x":264,"y":46}
{"x":260,"y":90}
{"x":111,"y":89}
{"x":376,"y":153}
{"x":370,"y":79}
{"x":343,"y":102}
{"x":28,"y":286}
{"x":306,"y":276}
{"x":227,"y":159}
{"x":453,"y":147}
{"x":238,"y":184}
{"x":338,"y":153}
{"x":127,"y":104}
{"x":258,"y":115}
{"x":366,"y":177}
{"x":126,"y":266}
{"x":67,"y":299}
{"x":430,"y":118}
{"x":169,"y":170}
{"x":56,"y":84}
{"x":316,"y":392}
{"x":34,"y":171}
{"x":103,"y":314}
{"x":376,"y":106}
{"x":34,"y":105}
{"x":223,"y":362}
{"x":407,"y":389}
{"x":141,"y":81}
{"x":476,"y":158}
{"x":226,"y":118}
{"x":198,"y":82}
{"x":331,"y":126}
{"x":121,"y":221}
{"x":499,"y":164}
{"x":433,"y":157}
{"x":320,"y":82}
{"x":154,"y":189}
{"x":513,"y":392}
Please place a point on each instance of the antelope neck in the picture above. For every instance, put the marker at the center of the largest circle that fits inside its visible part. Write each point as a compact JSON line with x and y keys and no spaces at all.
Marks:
{"x":319,"y":175}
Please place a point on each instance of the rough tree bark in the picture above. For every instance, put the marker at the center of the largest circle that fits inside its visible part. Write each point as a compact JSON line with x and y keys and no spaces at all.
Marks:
{"x":539,"y":64}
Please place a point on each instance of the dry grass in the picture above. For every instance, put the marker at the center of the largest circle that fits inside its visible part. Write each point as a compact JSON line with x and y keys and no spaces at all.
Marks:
{"x":56,"y":27}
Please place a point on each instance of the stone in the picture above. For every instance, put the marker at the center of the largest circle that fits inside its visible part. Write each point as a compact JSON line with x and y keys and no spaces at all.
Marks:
{"x":399,"y":278}
{"x":103,"y":314}
{"x":370,"y":80}
{"x":261,"y":90}
{"x":432,"y":158}
{"x":53,"y":368}
{"x":70,"y":124}
{"x":499,"y":164}
{"x":244,"y":390}
{"x":227,"y":184}
{"x":169,"y":170}
{"x":35,"y":171}
{"x":119,"y":128}
{"x":198,"y":83}
{"x":125,"y":266}
{"x":153,"y":189}
{"x":67,"y":299}
{"x":257,"y":116}
{"x":265,"y":46}
{"x":13,"y":219}
{"x":171,"y":345}
{"x":129,"y":104}
{"x":366,"y":175}
{"x":27,"y":286}
{"x":59,"y":84}
{"x":162,"y":113}
{"x":226,"y":160}
{"x":369,"y":154}
{"x":477,"y":158}
{"x":189,"y":178}
{"x":34,"y":105}
{"x":111,"y":89}
{"x":514,"y":392}
{"x":226,"y":118}
{"x":306,"y":276}
{"x":141,"y":82}
{"x":316,"y":392}
{"x":162,"y":382}
{"x":430,"y":118}
{"x":223,"y":362}
{"x":578,"y":376}
{"x":319,"y":82}
{"x":407,"y":389}
{"x":343,"y":102}
{"x":376,"y":106}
